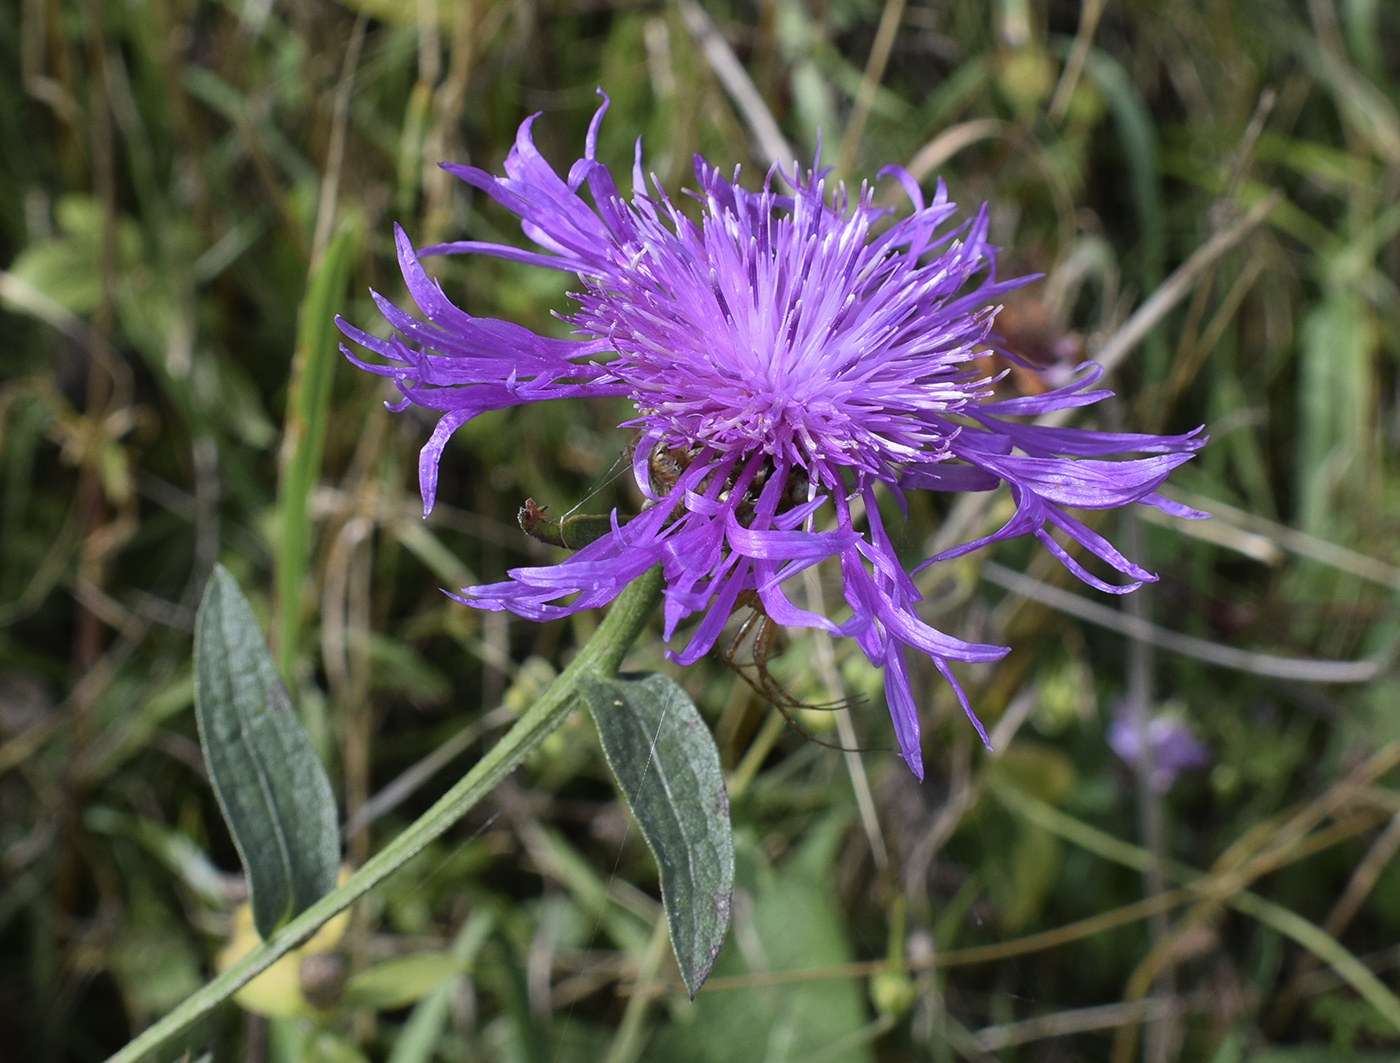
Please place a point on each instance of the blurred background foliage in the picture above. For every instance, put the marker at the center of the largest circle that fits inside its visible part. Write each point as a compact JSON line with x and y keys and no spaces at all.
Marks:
{"x":173,"y":172}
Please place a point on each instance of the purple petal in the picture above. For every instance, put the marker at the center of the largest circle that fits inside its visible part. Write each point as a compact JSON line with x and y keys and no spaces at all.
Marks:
{"x":1079,"y":570}
{"x":903,"y":712}
{"x":938,"y":476}
{"x":510,"y":254}
{"x":907,"y":182}
{"x":1040,"y":441}
{"x":1176,"y":509}
{"x":1097,"y":544}
{"x":947,"y":673}
{"x":703,"y":639}
{"x":431,"y":454}
{"x":1085,"y":483}
{"x":1072,"y":394}
{"x":786,"y":545}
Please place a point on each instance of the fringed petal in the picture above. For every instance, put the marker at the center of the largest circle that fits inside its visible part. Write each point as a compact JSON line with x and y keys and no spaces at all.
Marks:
{"x":903,"y":712}
{"x":782,"y":351}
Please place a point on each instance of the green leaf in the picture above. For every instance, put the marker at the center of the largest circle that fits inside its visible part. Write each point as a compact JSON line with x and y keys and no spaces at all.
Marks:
{"x":269,"y":781}
{"x":418,"y":1037}
{"x":1335,"y":374}
{"x":398,"y":982}
{"x":792,"y":922}
{"x":667,"y":766}
{"x":601,"y":654}
{"x":290,"y":1039}
{"x":63,"y":271}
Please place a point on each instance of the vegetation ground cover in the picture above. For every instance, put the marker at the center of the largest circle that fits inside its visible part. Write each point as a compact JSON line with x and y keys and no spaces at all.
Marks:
{"x":1213,"y":194}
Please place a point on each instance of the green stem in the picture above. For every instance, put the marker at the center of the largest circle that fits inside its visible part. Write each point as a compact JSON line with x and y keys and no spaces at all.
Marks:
{"x":601,"y":655}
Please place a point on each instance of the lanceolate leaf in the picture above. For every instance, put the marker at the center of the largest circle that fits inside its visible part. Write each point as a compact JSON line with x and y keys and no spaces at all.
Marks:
{"x":667,"y":767}
{"x":269,"y":781}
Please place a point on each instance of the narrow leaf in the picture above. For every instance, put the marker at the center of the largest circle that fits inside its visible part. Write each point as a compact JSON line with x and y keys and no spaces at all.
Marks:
{"x":269,"y":781}
{"x":667,"y":766}
{"x":304,"y":436}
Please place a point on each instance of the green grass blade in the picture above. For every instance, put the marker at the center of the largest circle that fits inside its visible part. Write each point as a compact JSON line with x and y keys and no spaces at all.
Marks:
{"x":304,"y":436}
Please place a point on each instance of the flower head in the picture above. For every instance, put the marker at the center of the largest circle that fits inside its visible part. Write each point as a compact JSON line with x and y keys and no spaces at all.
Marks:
{"x":1173,"y":746}
{"x":787,"y":356}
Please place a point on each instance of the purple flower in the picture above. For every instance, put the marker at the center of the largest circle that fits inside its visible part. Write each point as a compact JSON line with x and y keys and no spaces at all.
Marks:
{"x":1173,"y":746}
{"x":786,"y":356}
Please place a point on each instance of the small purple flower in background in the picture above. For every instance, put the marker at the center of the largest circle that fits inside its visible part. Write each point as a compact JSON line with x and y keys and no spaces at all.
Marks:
{"x":785,"y":357}
{"x":1173,"y":746}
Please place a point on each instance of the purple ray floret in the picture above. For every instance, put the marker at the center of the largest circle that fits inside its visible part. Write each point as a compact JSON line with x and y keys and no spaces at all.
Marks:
{"x":785,"y":356}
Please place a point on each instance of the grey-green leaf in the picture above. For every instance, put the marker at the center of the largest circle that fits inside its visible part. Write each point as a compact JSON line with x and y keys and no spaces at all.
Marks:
{"x":667,"y":766}
{"x":269,"y":781}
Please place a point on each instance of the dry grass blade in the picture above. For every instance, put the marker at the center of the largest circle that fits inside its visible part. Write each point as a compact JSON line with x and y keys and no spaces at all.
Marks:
{"x":1172,"y":290}
{"x":412,"y":779}
{"x":629,"y":1041}
{"x":1194,"y":348}
{"x":942,"y":148}
{"x":963,"y":790}
{"x":335,"y":154}
{"x":1263,"y":664}
{"x":845,"y":729}
{"x":1363,"y":879}
{"x":48,"y":572}
{"x":1294,"y":541}
{"x":1261,"y":850}
{"x":22,"y":295}
{"x":1251,"y":544}
{"x":1078,"y":1020}
{"x":1268,"y":847}
{"x":1022,"y":946}
{"x":1359,"y":887}
{"x":24,"y":745}
{"x":1090,"y":11}
{"x":772,"y":144}
{"x":865,"y":96}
